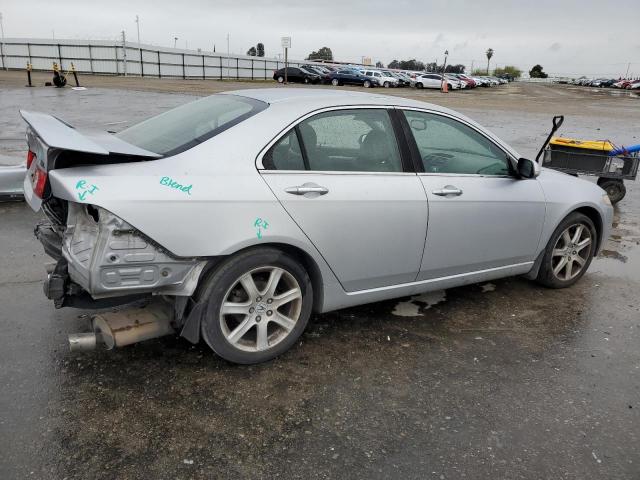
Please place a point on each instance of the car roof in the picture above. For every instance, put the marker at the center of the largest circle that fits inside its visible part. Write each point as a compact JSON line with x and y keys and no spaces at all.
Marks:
{"x":320,"y":98}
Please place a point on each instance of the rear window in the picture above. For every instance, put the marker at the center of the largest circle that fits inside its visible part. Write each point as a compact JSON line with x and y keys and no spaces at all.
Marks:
{"x":186,"y":126}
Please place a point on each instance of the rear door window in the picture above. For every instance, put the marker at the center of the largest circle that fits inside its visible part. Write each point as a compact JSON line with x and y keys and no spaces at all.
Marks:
{"x":358,"y":140}
{"x":353,"y":140}
{"x":286,"y":154}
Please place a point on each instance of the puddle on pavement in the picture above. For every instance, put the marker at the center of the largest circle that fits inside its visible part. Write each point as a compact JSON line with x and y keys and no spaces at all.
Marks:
{"x":621,"y":253}
{"x":419,"y":303}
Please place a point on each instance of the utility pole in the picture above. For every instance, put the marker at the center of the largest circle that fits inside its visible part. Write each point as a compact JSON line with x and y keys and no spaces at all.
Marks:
{"x":4,"y":61}
{"x":228,"y":54}
{"x":626,"y":75}
{"x":124,"y":52}
{"x":175,"y":41}
{"x":139,"y":45}
{"x":138,"y":27}
{"x":471,"y":72}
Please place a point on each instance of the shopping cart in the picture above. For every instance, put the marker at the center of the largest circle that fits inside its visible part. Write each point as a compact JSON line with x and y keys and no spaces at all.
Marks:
{"x":601,"y":158}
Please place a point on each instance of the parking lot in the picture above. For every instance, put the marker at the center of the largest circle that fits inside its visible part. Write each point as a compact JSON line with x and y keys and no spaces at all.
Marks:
{"x":498,"y":380}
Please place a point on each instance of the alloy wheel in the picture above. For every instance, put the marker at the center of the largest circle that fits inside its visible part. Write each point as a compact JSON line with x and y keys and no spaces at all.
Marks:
{"x":571,"y":252}
{"x":260,"y":309}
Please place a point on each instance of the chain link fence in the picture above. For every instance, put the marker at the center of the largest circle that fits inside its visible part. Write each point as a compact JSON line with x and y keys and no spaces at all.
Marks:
{"x":118,"y":58}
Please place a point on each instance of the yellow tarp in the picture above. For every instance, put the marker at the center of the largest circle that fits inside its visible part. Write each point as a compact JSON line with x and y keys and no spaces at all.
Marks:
{"x":603,"y":145}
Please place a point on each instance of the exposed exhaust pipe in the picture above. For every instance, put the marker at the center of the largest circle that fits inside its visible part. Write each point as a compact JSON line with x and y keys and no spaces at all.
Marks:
{"x":82,"y":342}
{"x":124,"y":327}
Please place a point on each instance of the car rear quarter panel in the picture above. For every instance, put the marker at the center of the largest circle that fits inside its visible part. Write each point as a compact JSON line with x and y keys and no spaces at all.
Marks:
{"x":224,"y":205}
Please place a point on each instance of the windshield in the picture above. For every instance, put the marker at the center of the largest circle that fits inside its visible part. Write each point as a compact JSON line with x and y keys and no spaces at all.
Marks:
{"x":186,"y":126}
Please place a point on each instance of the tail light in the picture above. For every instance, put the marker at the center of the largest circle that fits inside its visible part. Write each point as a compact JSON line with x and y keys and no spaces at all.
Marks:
{"x":39,"y":182}
{"x":30,"y":158}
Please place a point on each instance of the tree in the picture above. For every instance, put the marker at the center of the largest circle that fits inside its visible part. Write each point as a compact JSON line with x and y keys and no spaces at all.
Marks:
{"x":323,"y":53}
{"x":252,"y":52}
{"x":412,"y":64}
{"x":536,"y":72}
{"x":379,"y":64}
{"x":454,"y":68}
{"x":260,"y":49}
{"x":508,"y":71}
{"x":489,"y":55}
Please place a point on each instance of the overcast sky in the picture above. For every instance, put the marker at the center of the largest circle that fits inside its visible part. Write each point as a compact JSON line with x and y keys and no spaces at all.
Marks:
{"x":567,"y":37}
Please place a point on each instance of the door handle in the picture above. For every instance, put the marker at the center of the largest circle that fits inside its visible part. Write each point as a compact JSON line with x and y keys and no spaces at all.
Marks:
{"x":447,"y":191}
{"x":307,"y":188}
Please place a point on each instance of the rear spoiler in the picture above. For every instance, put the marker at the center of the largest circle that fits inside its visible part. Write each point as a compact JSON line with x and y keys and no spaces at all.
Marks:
{"x":59,"y":135}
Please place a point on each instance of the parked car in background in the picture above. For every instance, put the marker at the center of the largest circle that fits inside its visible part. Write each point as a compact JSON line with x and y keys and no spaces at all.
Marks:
{"x":296,"y":75}
{"x":322,"y":72}
{"x":455,"y":82}
{"x":471,"y":83}
{"x":240,"y":251}
{"x":433,"y":80}
{"x":349,"y":76}
{"x":402,"y":80}
{"x":381,"y":79}
{"x":11,"y":180}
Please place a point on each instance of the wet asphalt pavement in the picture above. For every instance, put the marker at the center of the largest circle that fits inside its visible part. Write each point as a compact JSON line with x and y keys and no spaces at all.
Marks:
{"x":500,"y":380}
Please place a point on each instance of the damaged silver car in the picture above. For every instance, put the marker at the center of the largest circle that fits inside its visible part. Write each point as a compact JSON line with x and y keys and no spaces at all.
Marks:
{"x":232,"y":218}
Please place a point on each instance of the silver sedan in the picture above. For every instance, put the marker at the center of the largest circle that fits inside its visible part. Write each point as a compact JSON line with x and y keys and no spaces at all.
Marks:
{"x":238,"y":215}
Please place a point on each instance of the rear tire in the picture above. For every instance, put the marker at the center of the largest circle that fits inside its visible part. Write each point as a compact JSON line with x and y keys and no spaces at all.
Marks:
{"x":569,"y":252}
{"x":258,"y":305}
{"x":280,"y":79}
{"x":615,"y":188}
{"x":335,"y":82}
{"x":419,"y":85}
{"x":306,"y":80}
{"x":367,"y":84}
{"x":386,"y":85}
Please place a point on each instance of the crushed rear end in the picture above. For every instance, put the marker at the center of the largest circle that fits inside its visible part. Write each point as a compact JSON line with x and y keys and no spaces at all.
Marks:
{"x":99,"y":260}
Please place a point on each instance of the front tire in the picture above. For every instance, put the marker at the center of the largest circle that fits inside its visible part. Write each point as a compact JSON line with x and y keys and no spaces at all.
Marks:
{"x":569,"y":252}
{"x":419,"y":85}
{"x":258,"y":305}
{"x":280,"y":79}
{"x":386,"y":85}
{"x":615,"y":188}
{"x":367,"y":84}
{"x":335,"y":82}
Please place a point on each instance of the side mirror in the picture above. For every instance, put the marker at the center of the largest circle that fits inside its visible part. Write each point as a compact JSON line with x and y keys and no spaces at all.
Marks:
{"x":528,"y":168}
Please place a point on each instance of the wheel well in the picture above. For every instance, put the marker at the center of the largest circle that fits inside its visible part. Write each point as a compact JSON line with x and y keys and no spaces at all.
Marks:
{"x":309,"y":265}
{"x":593,"y":214}
{"x":303,"y":257}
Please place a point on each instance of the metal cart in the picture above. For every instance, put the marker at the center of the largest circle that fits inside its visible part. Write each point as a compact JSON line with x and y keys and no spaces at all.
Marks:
{"x":611,"y":170}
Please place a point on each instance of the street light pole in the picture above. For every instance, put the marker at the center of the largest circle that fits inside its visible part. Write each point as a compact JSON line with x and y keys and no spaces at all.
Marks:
{"x":443,"y":85}
{"x":175,"y":41}
{"x":228,"y":59}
